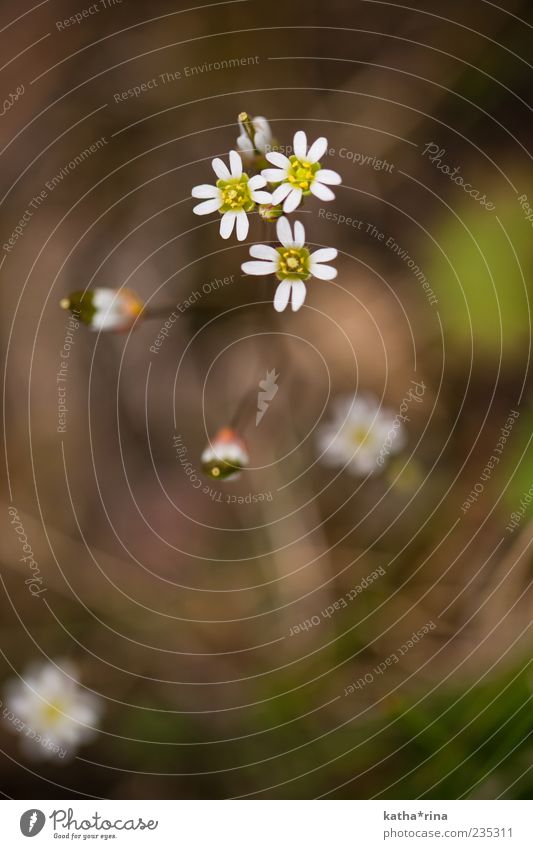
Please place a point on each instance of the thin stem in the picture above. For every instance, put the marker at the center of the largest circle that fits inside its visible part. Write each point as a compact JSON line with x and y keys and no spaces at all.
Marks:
{"x":158,"y":311}
{"x":238,"y":420}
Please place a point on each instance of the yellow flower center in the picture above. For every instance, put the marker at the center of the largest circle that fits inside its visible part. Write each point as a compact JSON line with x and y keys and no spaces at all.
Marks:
{"x":301,"y":173}
{"x":359,"y":435}
{"x":293,"y":263}
{"x":52,"y":713}
{"x":235,"y":194}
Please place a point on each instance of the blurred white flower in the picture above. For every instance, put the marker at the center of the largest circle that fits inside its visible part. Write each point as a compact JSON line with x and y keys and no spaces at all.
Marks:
{"x":300,"y":174}
{"x":361,"y":435}
{"x":234,"y":195}
{"x":262,"y":137}
{"x":104,"y":309}
{"x":225,"y":456}
{"x":51,"y":711}
{"x":292,"y":263}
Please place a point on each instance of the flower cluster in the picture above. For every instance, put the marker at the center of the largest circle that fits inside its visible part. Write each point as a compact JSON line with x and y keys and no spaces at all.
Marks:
{"x":259,"y":178}
{"x":236,"y":194}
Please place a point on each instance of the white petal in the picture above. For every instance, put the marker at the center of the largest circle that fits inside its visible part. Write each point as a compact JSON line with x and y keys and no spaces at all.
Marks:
{"x":277,"y":158}
{"x":220,"y":169}
{"x":18,"y":704}
{"x":281,"y":298}
{"x":273,"y":175}
{"x":243,"y":225}
{"x":363,"y":463}
{"x":281,"y":193}
{"x":110,"y":320}
{"x":293,"y":200}
{"x":207,"y":206}
{"x":205,"y":191}
{"x":324,"y":255}
{"x":262,"y":197}
{"x":329,"y":177}
{"x":323,"y":272}
{"x":207,"y":455}
{"x":299,"y":234}
{"x":321,"y":191}
{"x":226,"y":224}
{"x":244,"y":144}
{"x":261,"y":125}
{"x":284,"y":232}
{"x":300,"y":144}
{"x":264,"y":252}
{"x":235,"y":162}
{"x":257,"y":182}
{"x":260,"y":268}
{"x":298,"y":294}
{"x":317,"y":149}
{"x":103,"y":299}
{"x":262,"y":140}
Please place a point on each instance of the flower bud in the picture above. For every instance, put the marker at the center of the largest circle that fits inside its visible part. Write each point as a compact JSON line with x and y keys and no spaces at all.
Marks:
{"x":268,"y":212}
{"x":104,"y":309}
{"x":224,"y":458}
{"x":255,"y":137}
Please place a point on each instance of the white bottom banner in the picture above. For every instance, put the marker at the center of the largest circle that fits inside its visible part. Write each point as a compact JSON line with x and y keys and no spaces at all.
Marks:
{"x":264,"y":824}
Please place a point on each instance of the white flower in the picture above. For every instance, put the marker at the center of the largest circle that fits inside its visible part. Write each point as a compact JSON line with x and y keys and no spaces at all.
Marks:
{"x":234,"y":195}
{"x":225,"y":456}
{"x":104,"y":309}
{"x":262,"y":138}
{"x":361,"y":435}
{"x":291,"y":263}
{"x":300,"y":174}
{"x":52,"y":712}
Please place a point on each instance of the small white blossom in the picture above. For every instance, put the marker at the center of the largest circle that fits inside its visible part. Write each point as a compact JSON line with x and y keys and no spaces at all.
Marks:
{"x":225,"y":456}
{"x":358,"y":433}
{"x":51,"y":711}
{"x":262,"y":138}
{"x":234,"y":195}
{"x":292,"y":263}
{"x":104,"y":309}
{"x":300,"y":174}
